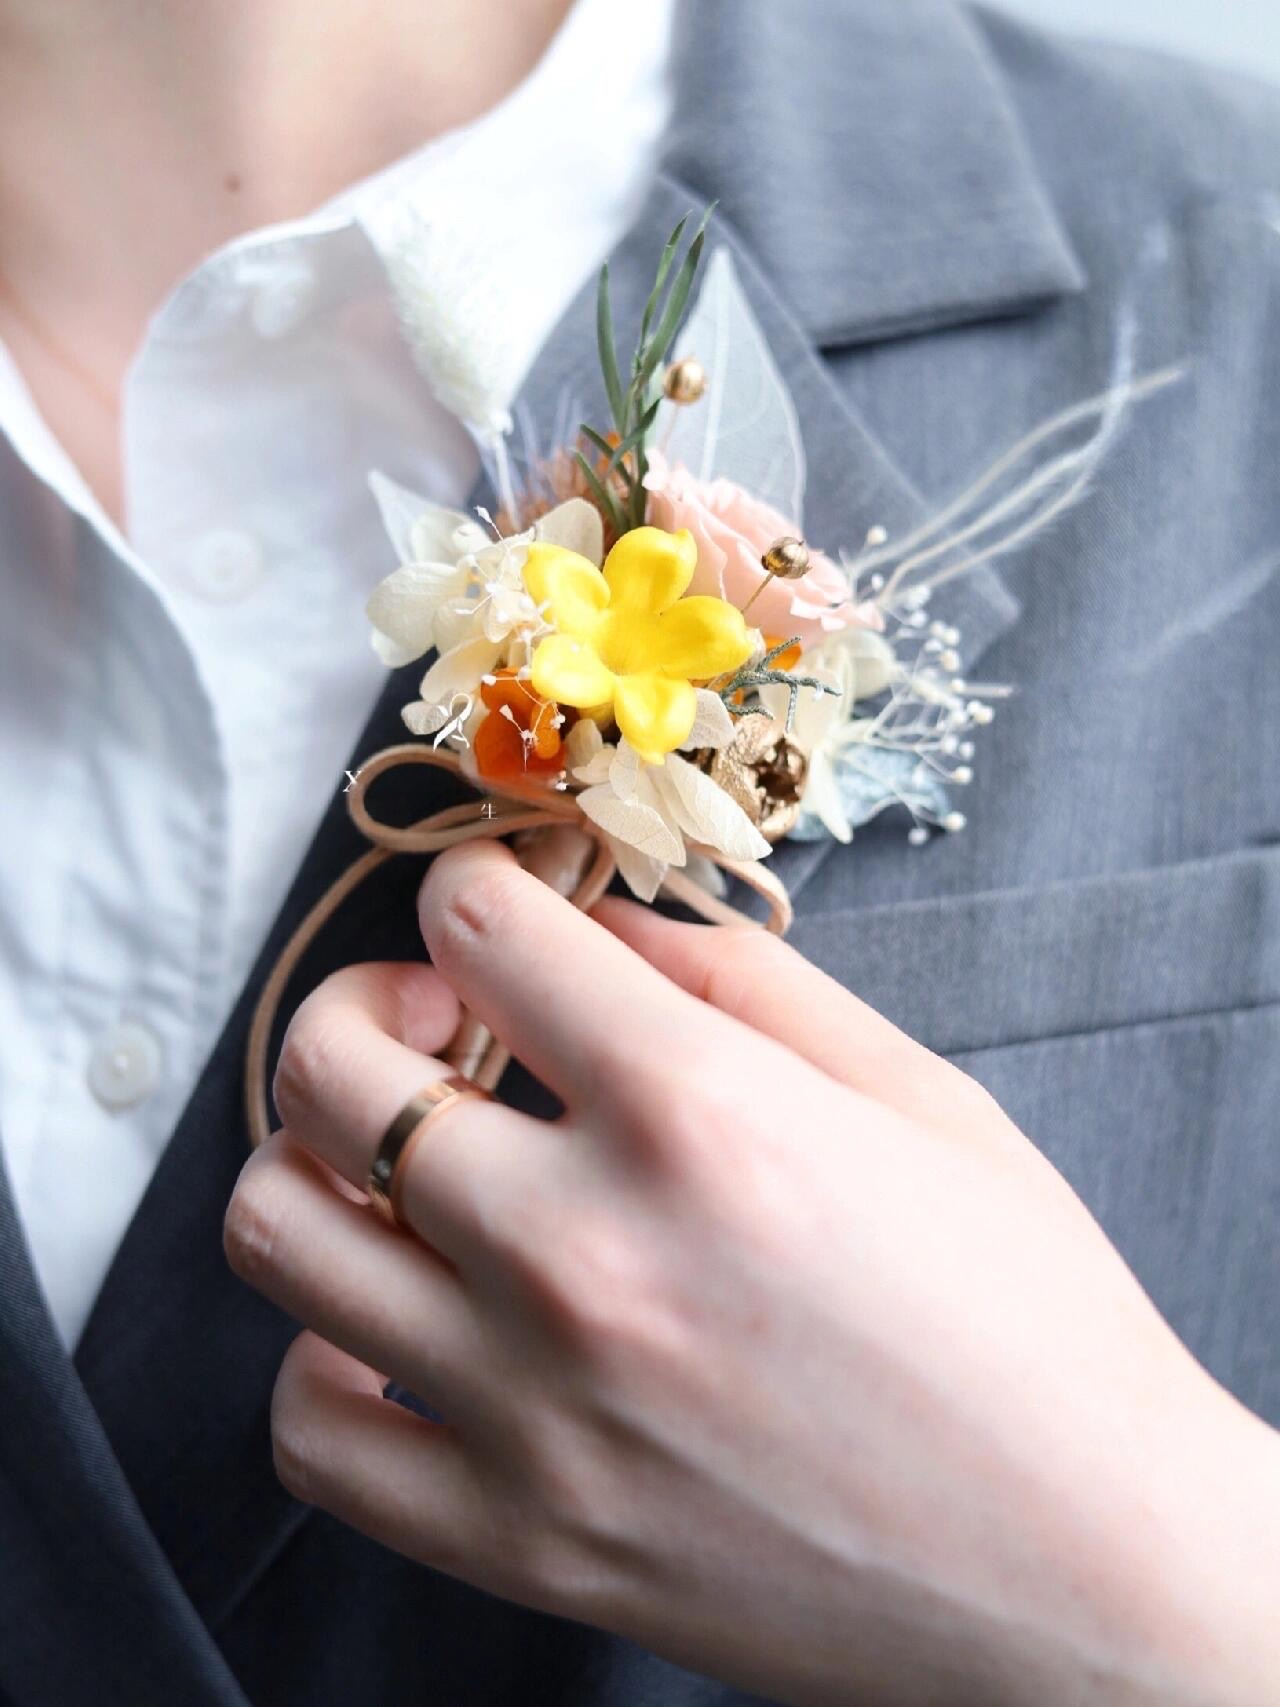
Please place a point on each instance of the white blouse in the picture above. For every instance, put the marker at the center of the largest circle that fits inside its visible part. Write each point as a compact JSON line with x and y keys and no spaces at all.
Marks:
{"x":176,"y":705}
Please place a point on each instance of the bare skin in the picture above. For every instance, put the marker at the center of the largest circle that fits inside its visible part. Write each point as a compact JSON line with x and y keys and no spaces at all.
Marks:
{"x":782,"y":1352}
{"x":135,"y":138}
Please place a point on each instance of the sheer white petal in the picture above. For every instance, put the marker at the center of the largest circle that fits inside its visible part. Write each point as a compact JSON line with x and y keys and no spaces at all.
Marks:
{"x":404,"y":605}
{"x":576,"y":526}
{"x":416,"y":527}
{"x":642,"y":874}
{"x":458,"y":671}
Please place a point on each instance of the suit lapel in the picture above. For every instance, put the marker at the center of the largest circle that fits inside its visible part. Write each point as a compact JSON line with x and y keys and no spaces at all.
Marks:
{"x":871,"y":157}
{"x":852,"y":484}
{"x":872,"y":179}
{"x":157,"y":1438}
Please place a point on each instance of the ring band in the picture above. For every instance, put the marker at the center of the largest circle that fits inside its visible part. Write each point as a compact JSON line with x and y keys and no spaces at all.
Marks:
{"x":403,"y":1133}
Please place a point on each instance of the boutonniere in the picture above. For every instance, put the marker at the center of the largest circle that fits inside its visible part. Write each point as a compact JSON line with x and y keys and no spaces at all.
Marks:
{"x":641,"y":665}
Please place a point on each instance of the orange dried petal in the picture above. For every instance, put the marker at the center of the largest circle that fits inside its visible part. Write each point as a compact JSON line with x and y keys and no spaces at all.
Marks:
{"x":545,"y":730}
{"x":785,"y":660}
{"x":513,"y":710}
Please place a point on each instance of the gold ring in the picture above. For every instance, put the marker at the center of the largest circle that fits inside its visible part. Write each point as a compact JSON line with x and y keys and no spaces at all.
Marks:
{"x":404,"y":1132}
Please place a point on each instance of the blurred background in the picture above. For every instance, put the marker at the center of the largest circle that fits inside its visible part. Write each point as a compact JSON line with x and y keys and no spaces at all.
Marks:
{"x":1243,"y":35}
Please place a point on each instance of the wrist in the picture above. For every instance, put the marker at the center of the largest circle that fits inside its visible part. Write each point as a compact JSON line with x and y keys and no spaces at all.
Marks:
{"x":1208,"y":1614}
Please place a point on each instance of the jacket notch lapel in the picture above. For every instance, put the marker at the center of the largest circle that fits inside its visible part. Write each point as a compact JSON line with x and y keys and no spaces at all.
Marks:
{"x":852,"y":482}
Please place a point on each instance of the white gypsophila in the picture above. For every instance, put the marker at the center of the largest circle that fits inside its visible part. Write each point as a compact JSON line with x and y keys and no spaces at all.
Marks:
{"x":908,"y":750}
{"x":473,"y":587}
{"x":432,"y":542}
{"x":487,"y":596}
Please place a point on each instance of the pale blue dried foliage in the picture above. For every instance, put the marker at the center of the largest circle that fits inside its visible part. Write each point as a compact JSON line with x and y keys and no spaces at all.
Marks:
{"x":872,"y":779}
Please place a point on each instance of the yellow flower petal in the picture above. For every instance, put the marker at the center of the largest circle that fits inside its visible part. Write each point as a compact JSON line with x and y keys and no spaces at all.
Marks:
{"x":648,"y":568}
{"x":570,"y":671}
{"x":699,"y":638}
{"x":570,"y":587}
{"x":654,"y":714}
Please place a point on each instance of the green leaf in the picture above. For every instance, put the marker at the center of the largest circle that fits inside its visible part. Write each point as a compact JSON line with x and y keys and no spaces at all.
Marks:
{"x":664,"y":267}
{"x":613,"y":453}
{"x":637,"y":494}
{"x":597,"y":439}
{"x":673,"y":309}
{"x":632,"y":440}
{"x":609,"y":350}
{"x":651,"y":306}
{"x":606,"y":499}
{"x":636,"y":408}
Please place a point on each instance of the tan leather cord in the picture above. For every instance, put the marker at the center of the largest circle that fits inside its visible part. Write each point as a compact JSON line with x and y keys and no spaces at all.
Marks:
{"x":517,"y":806}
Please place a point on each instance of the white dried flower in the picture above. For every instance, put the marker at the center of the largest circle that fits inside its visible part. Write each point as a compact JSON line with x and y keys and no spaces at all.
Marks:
{"x":443,"y":276}
{"x":647,"y":811}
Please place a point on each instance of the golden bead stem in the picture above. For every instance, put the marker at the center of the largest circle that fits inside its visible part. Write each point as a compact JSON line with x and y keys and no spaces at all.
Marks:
{"x":760,"y":589}
{"x":685,"y":381}
{"x":787,"y":558}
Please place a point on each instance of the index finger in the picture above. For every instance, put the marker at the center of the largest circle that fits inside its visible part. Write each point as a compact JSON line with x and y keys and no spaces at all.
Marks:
{"x":576,"y":1005}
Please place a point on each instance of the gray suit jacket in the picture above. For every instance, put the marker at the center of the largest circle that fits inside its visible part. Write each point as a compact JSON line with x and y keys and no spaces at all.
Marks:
{"x":939,"y":216}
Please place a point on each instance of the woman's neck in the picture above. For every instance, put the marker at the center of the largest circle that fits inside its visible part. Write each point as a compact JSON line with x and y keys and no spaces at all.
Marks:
{"x":137,"y":137}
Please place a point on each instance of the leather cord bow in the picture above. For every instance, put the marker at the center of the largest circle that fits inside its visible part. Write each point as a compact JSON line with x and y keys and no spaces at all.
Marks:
{"x":514,"y":807}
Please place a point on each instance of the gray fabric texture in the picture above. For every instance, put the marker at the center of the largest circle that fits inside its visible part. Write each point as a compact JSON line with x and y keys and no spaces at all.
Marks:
{"x":945,"y":220}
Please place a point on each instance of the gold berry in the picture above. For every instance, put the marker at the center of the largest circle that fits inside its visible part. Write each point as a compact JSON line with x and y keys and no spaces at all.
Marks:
{"x":787,"y":558}
{"x":685,"y":381}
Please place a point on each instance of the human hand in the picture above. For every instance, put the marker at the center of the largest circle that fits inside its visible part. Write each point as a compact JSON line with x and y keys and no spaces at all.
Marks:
{"x":782,"y":1353}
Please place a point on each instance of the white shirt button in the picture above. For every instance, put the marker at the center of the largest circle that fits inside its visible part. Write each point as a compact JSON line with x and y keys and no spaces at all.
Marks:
{"x":225,"y":564}
{"x":282,"y":302}
{"x":125,"y":1064}
{"x":203,"y":305}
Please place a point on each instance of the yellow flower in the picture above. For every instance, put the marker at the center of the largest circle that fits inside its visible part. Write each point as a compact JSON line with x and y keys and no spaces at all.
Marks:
{"x":625,"y":639}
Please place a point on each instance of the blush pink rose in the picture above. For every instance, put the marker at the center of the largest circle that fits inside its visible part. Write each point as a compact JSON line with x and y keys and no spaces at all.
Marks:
{"x":733,"y":530}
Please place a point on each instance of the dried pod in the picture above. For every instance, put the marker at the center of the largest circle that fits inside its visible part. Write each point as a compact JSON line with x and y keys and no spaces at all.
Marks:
{"x":787,"y":558}
{"x":764,"y":771}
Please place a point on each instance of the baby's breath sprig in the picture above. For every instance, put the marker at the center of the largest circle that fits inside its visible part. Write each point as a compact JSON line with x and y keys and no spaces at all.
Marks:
{"x":635,"y":405}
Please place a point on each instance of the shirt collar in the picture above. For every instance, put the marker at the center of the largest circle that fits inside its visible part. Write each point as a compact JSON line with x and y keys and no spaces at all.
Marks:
{"x":568,"y":145}
{"x":872,"y":156}
{"x":500,"y":180}
{"x":896,"y":116}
